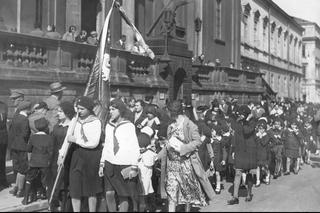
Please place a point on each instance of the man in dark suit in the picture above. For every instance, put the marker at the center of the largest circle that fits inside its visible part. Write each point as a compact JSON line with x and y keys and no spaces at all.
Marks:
{"x":19,"y":134}
{"x":53,"y":102}
{"x":139,"y":115}
{"x":17,"y":96}
{"x":3,"y":145}
{"x":121,"y":43}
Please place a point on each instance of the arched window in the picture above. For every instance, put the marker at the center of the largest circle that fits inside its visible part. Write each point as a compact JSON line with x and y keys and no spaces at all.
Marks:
{"x":245,"y":17}
{"x":280,"y":46}
{"x":265,"y":33}
{"x":256,"y":29}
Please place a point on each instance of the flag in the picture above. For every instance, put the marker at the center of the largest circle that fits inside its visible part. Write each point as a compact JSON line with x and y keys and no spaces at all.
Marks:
{"x":138,"y":35}
{"x":98,"y":84}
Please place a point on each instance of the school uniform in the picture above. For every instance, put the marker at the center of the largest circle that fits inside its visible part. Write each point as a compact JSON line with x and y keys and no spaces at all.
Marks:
{"x":41,"y":147}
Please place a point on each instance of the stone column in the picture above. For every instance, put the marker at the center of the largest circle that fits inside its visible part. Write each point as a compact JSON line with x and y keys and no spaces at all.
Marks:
{"x":128,"y":7}
{"x":101,"y":15}
{"x":73,"y":14}
{"x":18,"y":16}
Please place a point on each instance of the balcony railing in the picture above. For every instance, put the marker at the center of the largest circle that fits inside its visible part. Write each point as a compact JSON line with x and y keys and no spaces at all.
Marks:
{"x":226,"y":79}
{"x":28,"y":57}
{"x":44,"y":58}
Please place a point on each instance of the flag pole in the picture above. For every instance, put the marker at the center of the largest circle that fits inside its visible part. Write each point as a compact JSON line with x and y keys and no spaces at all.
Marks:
{"x":63,"y":159}
{"x":100,"y":55}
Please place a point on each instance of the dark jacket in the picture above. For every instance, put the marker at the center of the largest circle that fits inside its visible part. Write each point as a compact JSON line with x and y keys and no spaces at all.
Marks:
{"x":3,"y":123}
{"x":244,"y":145}
{"x":138,"y":122}
{"x":19,"y":133}
{"x":41,"y":146}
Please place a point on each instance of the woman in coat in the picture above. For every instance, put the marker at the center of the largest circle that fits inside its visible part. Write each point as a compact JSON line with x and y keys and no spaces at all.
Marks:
{"x":84,"y":178}
{"x":65,"y":114}
{"x":244,"y":152}
{"x":181,"y":165}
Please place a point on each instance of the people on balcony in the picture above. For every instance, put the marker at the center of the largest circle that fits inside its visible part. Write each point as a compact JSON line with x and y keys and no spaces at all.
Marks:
{"x":37,"y":30}
{"x":137,"y":48}
{"x":71,"y":34}
{"x":2,"y":25}
{"x":82,"y":37}
{"x":51,"y":32}
{"x":121,"y":44}
{"x":93,"y":38}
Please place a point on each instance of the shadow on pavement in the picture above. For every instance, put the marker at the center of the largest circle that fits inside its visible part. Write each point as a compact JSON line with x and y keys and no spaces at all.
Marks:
{"x":242,"y":191}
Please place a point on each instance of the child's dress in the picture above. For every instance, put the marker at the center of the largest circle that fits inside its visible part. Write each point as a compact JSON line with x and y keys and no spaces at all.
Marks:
{"x":145,"y":164}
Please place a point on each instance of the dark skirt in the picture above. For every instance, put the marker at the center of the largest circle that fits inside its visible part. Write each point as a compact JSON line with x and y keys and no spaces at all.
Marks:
{"x":292,"y":153}
{"x":263,"y":155}
{"x":84,"y":177}
{"x":115,"y":182}
{"x":19,"y":161}
{"x":218,"y":156}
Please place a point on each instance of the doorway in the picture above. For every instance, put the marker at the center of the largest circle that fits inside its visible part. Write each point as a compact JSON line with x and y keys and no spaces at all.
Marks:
{"x":89,"y":11}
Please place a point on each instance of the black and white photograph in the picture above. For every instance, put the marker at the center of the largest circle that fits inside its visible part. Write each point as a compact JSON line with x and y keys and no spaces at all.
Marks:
{"x":159,"y":105}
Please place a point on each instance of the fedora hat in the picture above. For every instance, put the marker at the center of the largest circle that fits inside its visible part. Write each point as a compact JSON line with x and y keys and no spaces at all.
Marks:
{"x":56,"y":87}
{"x":16,"y":94}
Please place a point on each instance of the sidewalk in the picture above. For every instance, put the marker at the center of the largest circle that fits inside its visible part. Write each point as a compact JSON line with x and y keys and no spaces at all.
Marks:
{"x":9,"y":203}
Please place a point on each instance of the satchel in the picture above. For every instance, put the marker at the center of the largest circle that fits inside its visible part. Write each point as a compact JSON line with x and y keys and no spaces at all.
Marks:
{"x":126,"y":171}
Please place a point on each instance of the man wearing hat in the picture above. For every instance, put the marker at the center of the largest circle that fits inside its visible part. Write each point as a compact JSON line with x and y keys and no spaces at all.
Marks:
{"x":19,"y":133}
{"x":53,"y":102}
{"x":16,"y":96}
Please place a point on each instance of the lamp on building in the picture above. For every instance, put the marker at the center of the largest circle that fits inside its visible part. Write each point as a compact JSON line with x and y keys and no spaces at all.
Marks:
{"x":168,"y":25}
{"x":197,"y":28}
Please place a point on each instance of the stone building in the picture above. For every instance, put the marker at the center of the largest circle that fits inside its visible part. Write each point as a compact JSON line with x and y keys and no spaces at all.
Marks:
{"x":271,"y":43}
{"x":311,"y":59}
{"x":177,"y":32}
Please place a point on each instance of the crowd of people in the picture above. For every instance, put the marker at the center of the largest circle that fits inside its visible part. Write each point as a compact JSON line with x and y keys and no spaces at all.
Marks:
{"x":145,"y":154}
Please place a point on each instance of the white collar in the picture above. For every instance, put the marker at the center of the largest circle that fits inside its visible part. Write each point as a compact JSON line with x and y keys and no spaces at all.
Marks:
{"x":41,"y":133}
{"x":23,"y":113}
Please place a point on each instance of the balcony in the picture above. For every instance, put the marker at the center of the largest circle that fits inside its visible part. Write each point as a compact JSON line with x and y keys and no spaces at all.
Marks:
{"x":210,"y":78}
{"x":27,"y":57}
{"x":31,"y":58}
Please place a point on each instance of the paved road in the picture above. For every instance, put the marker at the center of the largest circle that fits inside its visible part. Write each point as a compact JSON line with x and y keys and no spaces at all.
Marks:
{"x":288,"y":193}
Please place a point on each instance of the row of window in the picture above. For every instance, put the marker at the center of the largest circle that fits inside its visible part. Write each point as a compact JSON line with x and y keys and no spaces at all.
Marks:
{"x":281,"y":44}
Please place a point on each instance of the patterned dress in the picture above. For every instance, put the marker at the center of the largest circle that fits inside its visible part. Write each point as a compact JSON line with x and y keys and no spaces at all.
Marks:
{"x":182,"y":185}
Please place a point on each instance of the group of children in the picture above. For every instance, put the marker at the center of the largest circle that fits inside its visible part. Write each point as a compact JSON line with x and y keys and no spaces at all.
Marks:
{"x":284,"y":137}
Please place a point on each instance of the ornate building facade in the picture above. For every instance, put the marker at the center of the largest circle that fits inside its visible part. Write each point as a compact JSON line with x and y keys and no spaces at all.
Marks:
{"x":271,"y":43}
{"x":177,"y":31}
{"x":311,"y":59}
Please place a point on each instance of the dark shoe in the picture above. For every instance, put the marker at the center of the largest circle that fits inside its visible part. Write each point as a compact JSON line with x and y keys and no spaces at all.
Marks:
{"x":14,"y":191}
{"x":20,"y":194}
{"x":295,"y":172}
{"x":249,"y":198}
{"x":287,"y":173}
{"x":218,"y":191}
{"x":233,"y":201}
{"x":25,"y":200}
{"x":243,"y":186}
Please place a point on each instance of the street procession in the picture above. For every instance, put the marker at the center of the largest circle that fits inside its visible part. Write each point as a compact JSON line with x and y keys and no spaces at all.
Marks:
{"x":159,"y":105}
